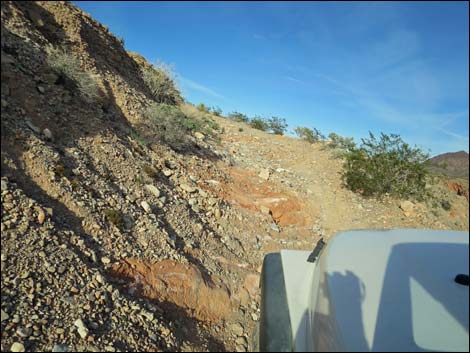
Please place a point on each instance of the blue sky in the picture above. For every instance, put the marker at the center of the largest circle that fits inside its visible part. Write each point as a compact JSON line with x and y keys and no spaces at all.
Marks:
{"x":345,"y":67}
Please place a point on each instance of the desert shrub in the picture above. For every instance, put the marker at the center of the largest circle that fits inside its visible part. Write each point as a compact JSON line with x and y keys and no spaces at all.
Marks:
{"x":277,"y":125}
{"x":259,"y":123}
{"x":308,"y":134}
{"x":237,"y":116}
{"x":60,"y":169}
{"x":216,"y":111}
{"x":446,"y":205}
{"x":160,"y":81}
{"x":203,"y":108}
{"x":386,"y":166}
{"x":240,"y":129}
{"x":67,"y":66}
{"x":135,"y":135}
{"x":149,"y":170}
{"x":115,"y":218}
{"x":340,"y":142}
{"x":170,"y":124}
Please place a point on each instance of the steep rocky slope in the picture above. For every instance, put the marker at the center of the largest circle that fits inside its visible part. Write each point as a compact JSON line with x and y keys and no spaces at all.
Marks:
{"x":109,"y":244}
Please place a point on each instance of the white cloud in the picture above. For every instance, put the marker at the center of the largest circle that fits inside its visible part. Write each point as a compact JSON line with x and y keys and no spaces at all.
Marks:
{"x":198,"y":87}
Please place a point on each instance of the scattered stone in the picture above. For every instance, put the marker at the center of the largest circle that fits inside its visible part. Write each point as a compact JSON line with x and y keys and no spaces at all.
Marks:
{"x":61,"y":348}
{"x":241,"y":341}
{"x":254,"y":316}
{"x":274,"y":227}
{"x":199,"y":135}
{"x":5,"y":316}
{"x":265,"y":210}
{"x":41,"y":89}
{"x":105,"y":260}
{"x":23,"y":332}
{"x":33,"y":127}
{"x":217,"y":213}
{"x":153,"y":190}
{"x":188,"y":188}
{"x":236,"y":329}
{"x":47,"y":133}
{"x":167,"y":172}
{"x":17,"y":347}
{"x":41,"y":215}
{"x":407,"y":207}
{"x":264,"y":174}
{"x":4,"y":185}
{"x":145,"y":205}
{"x":81,"y":328}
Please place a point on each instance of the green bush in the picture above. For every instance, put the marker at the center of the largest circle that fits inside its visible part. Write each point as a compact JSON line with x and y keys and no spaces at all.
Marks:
{"x":115,"y":218}
{"x":170,"y":123}
{"x":68,"y":67}
{"x":386,"y":166}
{"x":216,"y":111}
{"x":277,"y":125}
{"x":340,"y":142}
{"x":308,"y":134}
{"x":446,"y":205}
{"x":203,"y":108}
{"x":237,"y":116}
{"x":259,"y":123}
{"x":160,"y":82}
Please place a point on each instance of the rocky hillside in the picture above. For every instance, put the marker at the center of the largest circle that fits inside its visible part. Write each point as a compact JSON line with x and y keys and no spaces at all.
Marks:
{"x":112,"y":240}
{"x":452,"y":164}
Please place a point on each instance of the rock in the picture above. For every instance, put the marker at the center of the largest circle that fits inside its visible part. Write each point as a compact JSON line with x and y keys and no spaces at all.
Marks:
{"x":167,"y":172}
{"x":5,"y":316}
{"x":217,"y":213}
{"x":153,"y":190}
{"x":251,"y":284}
{"x":23,"y":332}
{"x":4,"y":185}
{"x":254,"y":316}
{"x":408,"y":208}
{"x":241,"y":341}
{"x":188,"y":188}
{"x":199,"y":135}
{"x":41,"y":215}
{"x":47,"y":133}
{"x":274,"y":227}
{"x":81,"y":328}
{"x":33,"y":127}
{"x":264,"y":174}
{"x":17,"y":347}
{"x":265,"y":210}
{"x":41,"y":89}
{"x":4,"y":103}
{"x":61,"y":348}
{"x":236,"y":329}
{"x":240,"y":348}
{"x":105,"y":260}
{"x":146,"y":206}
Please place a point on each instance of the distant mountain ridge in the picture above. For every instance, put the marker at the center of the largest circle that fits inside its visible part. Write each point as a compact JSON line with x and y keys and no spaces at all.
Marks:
{"x":457,"y":164}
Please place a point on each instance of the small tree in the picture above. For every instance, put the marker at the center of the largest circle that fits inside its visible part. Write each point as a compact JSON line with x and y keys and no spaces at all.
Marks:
{"x":386,"y":166}
{"x":308,"y":134}
{"x":170,"y":123}
{"x":216,"y":111}
{"x":68,"y":67}
{"x":202,"y":108}
{"x":259,"y":123}
{"x":277,"y":125}
{"x":340,"y":142}
{"x":160,"y":80}
{"x":240,"y":117}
